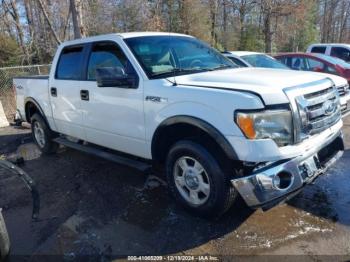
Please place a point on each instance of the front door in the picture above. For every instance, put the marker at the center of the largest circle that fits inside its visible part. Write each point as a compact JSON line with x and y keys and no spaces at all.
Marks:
{"x":113,"y":117}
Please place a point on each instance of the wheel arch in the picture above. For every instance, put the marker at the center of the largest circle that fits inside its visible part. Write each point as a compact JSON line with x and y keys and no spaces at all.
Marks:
{"x":31,"y":106}
{"x":164,"y":136}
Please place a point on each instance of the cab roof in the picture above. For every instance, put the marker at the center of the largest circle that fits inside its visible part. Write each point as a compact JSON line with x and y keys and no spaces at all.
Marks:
{"x":122,"y":35}
{"x":330,"y":44}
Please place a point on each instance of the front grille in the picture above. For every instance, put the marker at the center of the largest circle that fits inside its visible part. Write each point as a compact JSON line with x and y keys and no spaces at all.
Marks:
{"x":342,"y":90}
{"x":318,"y":110}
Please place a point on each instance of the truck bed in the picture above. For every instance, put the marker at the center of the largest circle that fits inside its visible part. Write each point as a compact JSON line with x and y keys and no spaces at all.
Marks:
{"x":35,"y":87}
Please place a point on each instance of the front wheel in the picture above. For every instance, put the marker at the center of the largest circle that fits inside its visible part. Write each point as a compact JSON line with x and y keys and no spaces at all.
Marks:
{"x":197,"y":181}
{"x":42,"y":135}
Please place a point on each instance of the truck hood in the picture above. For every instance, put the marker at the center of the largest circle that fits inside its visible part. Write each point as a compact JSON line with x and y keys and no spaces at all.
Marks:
{"x":337,"y":80}
{"x":267,"y":83}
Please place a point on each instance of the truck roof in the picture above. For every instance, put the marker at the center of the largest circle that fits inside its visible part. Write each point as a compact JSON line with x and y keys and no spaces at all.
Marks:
{"x":330,"y":44}
{"x":122,"y":35}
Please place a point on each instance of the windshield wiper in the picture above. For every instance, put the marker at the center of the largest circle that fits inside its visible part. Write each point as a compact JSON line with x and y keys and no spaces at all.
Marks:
{"x":176,"y":71}
{"x":220,"y":67}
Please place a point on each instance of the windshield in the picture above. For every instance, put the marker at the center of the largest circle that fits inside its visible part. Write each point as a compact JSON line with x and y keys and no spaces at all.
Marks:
{"x":164,"y":56}
{"x":261,"y":60}
{"x":334,"y":60}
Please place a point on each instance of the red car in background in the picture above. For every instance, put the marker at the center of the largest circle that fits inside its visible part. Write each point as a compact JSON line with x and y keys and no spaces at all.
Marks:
{"x":315,"y":62}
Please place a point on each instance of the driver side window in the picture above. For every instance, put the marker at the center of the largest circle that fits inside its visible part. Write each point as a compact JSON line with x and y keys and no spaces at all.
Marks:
{"x":106,"y":54}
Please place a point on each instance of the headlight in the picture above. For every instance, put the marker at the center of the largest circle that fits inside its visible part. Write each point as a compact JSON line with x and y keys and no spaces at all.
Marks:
{"x":270,"y":124}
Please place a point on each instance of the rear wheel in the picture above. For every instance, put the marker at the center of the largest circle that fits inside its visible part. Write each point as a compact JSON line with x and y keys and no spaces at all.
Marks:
{"x":197,"y":181}
{"x":42,"y":135}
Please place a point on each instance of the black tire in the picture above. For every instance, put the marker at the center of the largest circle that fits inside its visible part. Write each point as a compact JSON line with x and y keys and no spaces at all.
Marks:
{"x":222,"y":194}
{"x":48,"y":147}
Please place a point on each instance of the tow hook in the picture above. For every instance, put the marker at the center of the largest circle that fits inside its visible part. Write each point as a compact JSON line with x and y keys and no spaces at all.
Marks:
{"x":30,"y":184}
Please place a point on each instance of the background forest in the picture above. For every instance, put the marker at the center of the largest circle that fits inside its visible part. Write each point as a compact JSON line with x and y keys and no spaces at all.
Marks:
{"x":30,"y":30}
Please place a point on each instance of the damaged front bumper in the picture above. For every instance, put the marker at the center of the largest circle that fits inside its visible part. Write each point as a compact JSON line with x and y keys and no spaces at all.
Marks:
{"x":345,"y":105}
{"x":281,"y":180}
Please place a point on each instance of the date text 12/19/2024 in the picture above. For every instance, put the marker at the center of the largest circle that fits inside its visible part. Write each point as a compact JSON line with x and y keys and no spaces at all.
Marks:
{"x":173,"y":258}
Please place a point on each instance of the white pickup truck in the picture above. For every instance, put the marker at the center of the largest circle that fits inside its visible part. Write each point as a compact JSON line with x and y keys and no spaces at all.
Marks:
{"x":170,"y":101}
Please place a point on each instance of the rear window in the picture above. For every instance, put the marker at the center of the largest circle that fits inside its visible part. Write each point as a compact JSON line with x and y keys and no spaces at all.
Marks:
{"x":237,"y":62}
{"x":318,"y":49}
{"x":69,"y":63}
{"x":261,"y":60}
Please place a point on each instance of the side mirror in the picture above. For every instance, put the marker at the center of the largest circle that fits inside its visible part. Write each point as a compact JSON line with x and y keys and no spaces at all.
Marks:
{"x":115,"y":77}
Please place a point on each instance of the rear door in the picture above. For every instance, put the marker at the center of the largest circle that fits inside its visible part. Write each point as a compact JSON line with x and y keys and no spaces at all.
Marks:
{"x":64,"y":91}
{"x":113,"y":116}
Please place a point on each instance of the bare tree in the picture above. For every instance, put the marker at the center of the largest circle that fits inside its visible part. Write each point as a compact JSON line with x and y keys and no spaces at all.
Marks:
{"x":271,"y":11}
{"x":43,"y":9}
{"x":244,"y":7}
{"x":77,"y":17}
{"x":213,"y":8}
{"x":11,"y":9}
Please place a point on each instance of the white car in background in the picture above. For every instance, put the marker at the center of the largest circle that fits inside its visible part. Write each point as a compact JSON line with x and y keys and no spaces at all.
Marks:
{"x":255,"y":59}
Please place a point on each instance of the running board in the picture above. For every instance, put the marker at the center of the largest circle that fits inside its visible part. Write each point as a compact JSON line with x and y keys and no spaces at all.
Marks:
{"x":92,"y":150}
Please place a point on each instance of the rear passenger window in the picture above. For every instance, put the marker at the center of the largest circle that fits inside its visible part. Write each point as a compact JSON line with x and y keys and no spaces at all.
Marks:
{"x":68,"y":67}
{"x":107,"y":54}
{"x":341,"y":52}
{"x":318,"y":49}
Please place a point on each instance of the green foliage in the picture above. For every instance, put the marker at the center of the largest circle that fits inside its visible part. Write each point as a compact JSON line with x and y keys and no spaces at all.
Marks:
{"x":9,"y":52}
{"x":251,"y":39}
{"x":305,"y":28}
{"x":309,"y":33}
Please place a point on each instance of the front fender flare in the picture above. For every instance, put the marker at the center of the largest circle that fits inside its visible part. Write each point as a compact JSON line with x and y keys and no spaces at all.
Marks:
{"x":201,"y":124}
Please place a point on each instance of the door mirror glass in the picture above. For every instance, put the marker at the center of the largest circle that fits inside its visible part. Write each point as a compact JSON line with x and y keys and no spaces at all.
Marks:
{"x":115,"y":77}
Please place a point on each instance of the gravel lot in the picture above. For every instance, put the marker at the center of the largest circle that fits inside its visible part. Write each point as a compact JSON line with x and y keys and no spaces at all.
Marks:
{"x":93,"y":207}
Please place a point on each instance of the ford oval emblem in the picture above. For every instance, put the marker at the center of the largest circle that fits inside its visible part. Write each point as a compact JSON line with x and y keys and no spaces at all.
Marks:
{"x":328,"y":107}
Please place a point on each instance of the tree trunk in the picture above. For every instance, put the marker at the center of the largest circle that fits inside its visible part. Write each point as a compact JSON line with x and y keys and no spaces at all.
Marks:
{"x":225,"y":10}
{"x":241,"y":28}
{"x":344,"y":19}
{"x":76,"y":9}
{"x":66,"y":24}
{"x":42,"y":7}
{"x":324,"y":29}
{"x":268,"y":33}
{"x":29,"y":16}
{"x":213,"y":11}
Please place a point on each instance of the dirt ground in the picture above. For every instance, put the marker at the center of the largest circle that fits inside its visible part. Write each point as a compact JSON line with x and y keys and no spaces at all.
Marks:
{"x":92,"y":209}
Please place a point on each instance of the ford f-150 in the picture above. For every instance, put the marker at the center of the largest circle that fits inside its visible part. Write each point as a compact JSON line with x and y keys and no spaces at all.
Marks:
{"x":171,"y":102}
